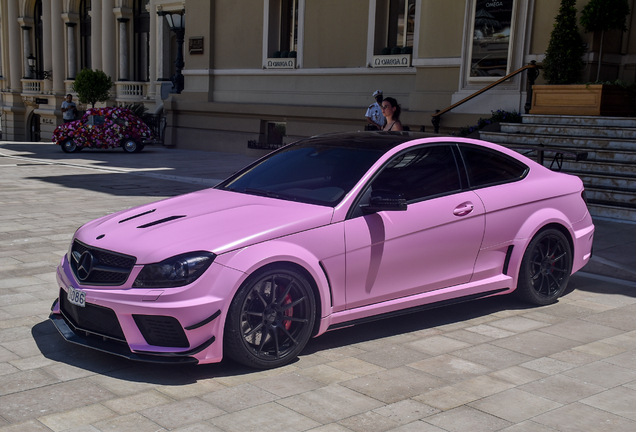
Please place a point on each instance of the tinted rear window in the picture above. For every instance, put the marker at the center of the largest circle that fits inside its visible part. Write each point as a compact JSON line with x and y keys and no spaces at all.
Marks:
{"x":487,"y":167}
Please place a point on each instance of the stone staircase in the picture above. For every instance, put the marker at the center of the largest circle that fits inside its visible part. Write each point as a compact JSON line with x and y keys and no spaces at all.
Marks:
{"x":609,"y":172}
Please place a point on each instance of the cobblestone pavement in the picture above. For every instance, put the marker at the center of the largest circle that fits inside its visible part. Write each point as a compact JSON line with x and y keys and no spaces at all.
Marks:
{"x":490,"y":365}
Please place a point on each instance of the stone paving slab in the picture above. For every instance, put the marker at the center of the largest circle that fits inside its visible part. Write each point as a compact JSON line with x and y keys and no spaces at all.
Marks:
{"x":490,"y":365}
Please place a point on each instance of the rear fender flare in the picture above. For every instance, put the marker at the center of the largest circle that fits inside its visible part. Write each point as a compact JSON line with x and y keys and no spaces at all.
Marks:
{"x":531,"y":226}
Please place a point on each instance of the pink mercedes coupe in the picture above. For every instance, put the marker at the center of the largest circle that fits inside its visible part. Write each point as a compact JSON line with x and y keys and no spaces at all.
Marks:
{"x":323,"y":233}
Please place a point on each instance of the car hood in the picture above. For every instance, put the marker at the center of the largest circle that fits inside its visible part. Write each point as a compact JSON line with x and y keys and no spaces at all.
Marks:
{"x":209,"y":220}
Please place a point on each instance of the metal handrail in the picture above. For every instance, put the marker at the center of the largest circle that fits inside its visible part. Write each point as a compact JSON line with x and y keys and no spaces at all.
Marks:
{"x":533,"y":73}
{"x":559,"y":153}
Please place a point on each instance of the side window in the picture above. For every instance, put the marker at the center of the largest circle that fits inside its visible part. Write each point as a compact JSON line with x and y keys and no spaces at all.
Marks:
{"x":486,"y":167}
{"x":419,"y":174}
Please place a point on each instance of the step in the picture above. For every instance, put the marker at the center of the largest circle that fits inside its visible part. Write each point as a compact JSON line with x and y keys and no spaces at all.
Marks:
{"x":560,"y":141}
{"x":570,"y":130}
{"x":629,"y":122}
{"x":615,"y":182}
{"x":599,"y":168}
{"x":593,"y":154}
{"x":616,"y":198}
{"x":612,"y":212}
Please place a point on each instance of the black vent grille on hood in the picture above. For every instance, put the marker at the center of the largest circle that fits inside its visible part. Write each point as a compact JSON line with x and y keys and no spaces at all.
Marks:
{"x":160,"y":221}
{"x":136,"y":216}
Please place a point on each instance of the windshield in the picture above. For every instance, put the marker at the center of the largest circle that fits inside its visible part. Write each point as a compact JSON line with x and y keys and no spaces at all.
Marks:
{"x":313,"y":173}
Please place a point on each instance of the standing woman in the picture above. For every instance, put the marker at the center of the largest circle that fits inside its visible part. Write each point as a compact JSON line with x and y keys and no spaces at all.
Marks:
{"x":391,"y":110}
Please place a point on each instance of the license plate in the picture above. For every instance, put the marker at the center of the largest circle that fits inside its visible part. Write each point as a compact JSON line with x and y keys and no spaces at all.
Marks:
{"x":76,"y":297}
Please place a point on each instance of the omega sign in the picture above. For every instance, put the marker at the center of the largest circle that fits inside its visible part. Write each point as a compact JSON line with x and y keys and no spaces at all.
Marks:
{"x":400,"y":60}
{"x":281,"y":63}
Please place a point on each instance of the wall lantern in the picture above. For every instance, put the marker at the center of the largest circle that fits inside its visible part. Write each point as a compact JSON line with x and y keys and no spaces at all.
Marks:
{"x":176,"y":22}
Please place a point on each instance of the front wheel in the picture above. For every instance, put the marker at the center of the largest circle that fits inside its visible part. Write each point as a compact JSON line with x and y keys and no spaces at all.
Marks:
{"x":270,"y":319}
{"x":131,"y":146}
{"x":545,"y":268}
{"x":69,"y":146}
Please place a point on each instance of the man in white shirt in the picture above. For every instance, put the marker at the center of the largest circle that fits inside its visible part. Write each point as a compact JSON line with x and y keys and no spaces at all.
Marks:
{"x":375,"y":119}
{"x":68,"y":109}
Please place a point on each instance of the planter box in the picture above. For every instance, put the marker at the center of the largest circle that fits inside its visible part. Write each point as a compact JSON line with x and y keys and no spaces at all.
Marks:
{"x":582,"y":99}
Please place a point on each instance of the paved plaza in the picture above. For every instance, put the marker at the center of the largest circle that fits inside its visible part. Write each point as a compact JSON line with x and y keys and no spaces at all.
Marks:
{"x":491,"y":365}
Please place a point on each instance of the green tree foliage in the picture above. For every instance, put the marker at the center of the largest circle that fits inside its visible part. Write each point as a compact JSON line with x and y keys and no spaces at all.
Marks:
{"x":602,"y":15}
{"x":92,"y":86}
{"x":563,"y":63}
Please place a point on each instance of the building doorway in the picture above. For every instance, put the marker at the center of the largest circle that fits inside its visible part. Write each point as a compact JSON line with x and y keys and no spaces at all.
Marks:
{"x":34,"y":128}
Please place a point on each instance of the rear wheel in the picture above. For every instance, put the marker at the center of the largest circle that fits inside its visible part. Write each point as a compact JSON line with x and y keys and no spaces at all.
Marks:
{"x":270,"y":319}
{"x":545,"y":268}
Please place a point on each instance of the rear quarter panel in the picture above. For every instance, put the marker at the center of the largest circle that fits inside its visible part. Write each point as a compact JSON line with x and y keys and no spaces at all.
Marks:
{"x":515,"y":212}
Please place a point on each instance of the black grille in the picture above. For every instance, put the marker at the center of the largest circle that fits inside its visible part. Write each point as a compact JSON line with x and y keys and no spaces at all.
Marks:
{"x":163,"y":331}
{"x":107,"y":268}
{"x":92,"y":318}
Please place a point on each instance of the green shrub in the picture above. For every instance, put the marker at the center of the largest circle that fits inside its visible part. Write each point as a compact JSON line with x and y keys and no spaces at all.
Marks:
{"x":500,"y":116}
{"x":563,"y":63}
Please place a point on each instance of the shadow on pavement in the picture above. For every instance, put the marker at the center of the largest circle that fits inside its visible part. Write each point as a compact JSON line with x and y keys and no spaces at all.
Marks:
{"x":54,"y":347}
{"x":121,"y":184}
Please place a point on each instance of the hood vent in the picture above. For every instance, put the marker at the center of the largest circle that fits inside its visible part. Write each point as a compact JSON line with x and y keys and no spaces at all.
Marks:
{"x":160,"y":221}
{"x":136,"y":216}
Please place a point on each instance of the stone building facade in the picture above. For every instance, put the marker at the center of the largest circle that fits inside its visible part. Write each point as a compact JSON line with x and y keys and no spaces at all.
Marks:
{"x":270,"y":71}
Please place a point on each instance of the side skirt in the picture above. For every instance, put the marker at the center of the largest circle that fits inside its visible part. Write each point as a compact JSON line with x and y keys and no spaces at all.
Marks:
{"x":417,"y":309}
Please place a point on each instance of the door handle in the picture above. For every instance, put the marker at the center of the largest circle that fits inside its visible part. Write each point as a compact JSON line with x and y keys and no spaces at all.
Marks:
{"x":463,"y":209}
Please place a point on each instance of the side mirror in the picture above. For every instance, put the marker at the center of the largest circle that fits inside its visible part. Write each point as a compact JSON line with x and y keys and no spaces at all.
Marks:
{"x":382,"y":200}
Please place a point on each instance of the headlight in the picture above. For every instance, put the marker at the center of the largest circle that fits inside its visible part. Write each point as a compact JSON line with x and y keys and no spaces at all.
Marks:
{"x":177,"y":271}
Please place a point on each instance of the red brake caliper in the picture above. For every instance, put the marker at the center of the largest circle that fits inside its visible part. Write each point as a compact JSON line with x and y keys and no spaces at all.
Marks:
{"x":289,"y":312}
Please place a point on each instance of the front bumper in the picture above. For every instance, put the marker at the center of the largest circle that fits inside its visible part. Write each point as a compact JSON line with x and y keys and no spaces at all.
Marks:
{"x":172,"y":325}
{"x":73,"y":334}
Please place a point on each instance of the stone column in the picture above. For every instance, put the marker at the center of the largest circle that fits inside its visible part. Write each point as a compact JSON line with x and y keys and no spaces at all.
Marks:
{"x":72,"y":51}
{"x":26,"y":50}
{"x":153,"y":35}
{"x":14,"y":45}
{"x":57,"y":41}
{"x":47,"y":44}
{"x":163,"y":45}
{"x":109,"y":59}
{"x":123,"y":49}
{"x":96,"y":34}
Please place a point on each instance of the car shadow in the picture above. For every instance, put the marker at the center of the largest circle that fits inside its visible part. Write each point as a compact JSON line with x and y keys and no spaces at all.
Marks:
{"x":54,"y":347}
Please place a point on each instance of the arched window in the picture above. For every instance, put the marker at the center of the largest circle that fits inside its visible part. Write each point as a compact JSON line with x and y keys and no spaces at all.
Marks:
{"x":85,"y":34}
{"x":141,"y":23}
{"x":37,"y":25}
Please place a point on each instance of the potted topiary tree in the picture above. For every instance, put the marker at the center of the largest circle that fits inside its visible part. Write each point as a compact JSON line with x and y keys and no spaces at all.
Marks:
{"x":563,"y":63}
{"x":603,"y":15}
{"x":92,"y":86}
{"x":562,"y":68}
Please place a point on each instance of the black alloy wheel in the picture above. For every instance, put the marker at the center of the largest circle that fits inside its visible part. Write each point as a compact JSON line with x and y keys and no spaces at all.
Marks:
{"x":545,"y":268}
{"x":271,"y":318}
